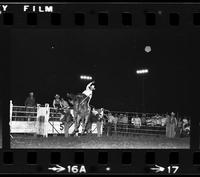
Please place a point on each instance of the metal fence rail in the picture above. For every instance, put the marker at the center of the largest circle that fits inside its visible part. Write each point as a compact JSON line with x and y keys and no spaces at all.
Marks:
{"x":29,"y":114}
{"x":128,"y":129}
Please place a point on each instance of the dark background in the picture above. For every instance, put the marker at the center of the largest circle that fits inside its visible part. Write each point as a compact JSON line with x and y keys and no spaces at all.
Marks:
{"x":50,"y":61}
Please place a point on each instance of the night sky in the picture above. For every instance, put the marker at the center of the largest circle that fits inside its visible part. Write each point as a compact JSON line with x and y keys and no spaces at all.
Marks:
{"x":50,"y":61}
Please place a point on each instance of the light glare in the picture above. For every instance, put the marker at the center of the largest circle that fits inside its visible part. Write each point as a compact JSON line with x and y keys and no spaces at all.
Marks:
{"x":84,"y":77}
{"x":147,"y":49}
{"x":142,"y":71}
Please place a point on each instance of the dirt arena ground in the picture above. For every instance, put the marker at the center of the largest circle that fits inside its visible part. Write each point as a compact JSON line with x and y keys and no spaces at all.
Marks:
{"x":104,"y":142}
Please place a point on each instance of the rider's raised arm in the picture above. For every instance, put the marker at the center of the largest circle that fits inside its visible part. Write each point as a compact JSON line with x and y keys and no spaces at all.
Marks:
{"x":54,"y":102}
{"x":88,"y":86}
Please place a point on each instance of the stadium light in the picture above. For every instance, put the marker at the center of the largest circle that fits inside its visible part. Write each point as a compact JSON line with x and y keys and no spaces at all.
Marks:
{"x":85,"y":77}
{"x":142,"y":71}
{"x":147,"y":49}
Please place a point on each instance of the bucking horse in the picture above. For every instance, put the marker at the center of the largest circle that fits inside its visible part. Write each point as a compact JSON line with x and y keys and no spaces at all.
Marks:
{"x":81,"y":111}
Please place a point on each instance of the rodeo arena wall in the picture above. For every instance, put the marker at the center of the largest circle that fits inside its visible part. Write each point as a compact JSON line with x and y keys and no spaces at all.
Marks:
{"x":38,"y":120}
{"x":45,"y":121}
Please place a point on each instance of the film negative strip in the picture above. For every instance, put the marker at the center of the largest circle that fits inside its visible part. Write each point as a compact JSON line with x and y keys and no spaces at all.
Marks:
{"x":99,"y":88}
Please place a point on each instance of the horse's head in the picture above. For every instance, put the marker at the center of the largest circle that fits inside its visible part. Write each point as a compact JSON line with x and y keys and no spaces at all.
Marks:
{"x":70,"y":96}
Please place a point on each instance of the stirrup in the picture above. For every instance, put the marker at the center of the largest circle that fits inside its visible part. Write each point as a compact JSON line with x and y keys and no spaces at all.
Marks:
{"x":74,"y":132}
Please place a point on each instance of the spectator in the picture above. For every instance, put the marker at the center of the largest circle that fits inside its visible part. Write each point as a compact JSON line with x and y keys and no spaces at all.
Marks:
{"x":171,"y":126}
{"x":137,"y":122}
{"x":105,"y":122}
{"x":115,"y":123}
{"x":150,"y":121}
{"x":57,"y":102}
{"x":56,"y":105}
{"x":120,"y":123}
{"x":158,"y":120}
{"x":30,"y":106}
{"x":133,"y":120}
{"x":163,"y":120}
{"x":111,"y":120}
{"x":30,"y":100}
{"x":185,"y":128}
{"x":155,"y":120}
{"x":174,"y":124}
{"x":100,"y":115}
{"x":124,"y":121}
{"x":168,"y":126}
{"x":179,"y":127}
{"x":143,"y":119}
{"x":132,"y":123}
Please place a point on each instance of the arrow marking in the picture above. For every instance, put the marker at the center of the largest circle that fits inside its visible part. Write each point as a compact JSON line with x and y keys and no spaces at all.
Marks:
{"x":158,"y":169}
{"x":57,"y":168}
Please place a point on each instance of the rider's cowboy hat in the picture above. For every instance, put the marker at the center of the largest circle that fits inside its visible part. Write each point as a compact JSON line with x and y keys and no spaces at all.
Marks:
{"x":57,"y":96}
{"x":173,"y":114}
{"x":185,"y":120}
{"x":92,"y":86}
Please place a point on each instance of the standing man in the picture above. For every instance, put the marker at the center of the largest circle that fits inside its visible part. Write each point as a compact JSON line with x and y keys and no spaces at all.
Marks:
{"x":57,"y":102}
{"x":56,"y":105}
{"x":115,"y":123}
{"x":171,"y":126}
{"x":168,"y":126}
{"x":174,"y":124}
{"x":124,"y":121}
{"x":185,"y":127}
{"x":179,"y":127}
{"x":111,"y":120}
{"x":88,"y":92}
{"x":100,"y":122}
{"x":30,"y":104}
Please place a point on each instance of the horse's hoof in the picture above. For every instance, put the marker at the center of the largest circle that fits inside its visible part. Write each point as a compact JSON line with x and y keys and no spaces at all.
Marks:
{"x":82,"y":134}
{"x":73,"y":133}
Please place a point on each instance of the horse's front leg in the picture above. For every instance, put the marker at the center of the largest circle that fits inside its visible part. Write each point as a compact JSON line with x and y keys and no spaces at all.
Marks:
{"x":77,"y":123}
{"x":84,"y":123}
{"x":75,"y":120}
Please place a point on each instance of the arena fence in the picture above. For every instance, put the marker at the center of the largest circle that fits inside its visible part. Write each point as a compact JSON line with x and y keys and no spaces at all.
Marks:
{"x":46,"y":120}
{"x":38,"y":120}
{"x":128,"y":129}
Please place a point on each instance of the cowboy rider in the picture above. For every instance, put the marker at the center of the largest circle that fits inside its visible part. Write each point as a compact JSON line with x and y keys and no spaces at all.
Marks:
{"x":88,"y":92}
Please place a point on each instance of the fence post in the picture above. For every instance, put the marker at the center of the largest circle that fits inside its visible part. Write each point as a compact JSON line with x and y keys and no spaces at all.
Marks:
{"x":37,"y":124}
{"x":11,"y":110}
{"x":46,"y":120}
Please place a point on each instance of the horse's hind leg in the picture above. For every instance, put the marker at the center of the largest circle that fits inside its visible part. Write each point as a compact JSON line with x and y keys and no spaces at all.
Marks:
{"x":85,"y":121}
{"x":77,"y":124}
